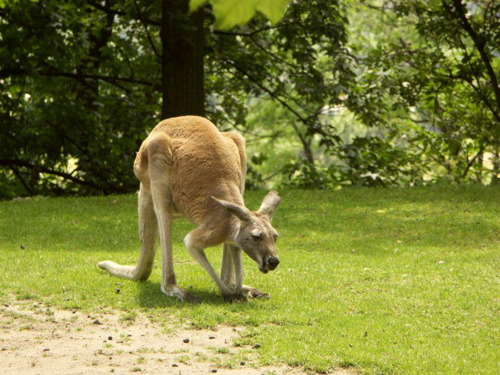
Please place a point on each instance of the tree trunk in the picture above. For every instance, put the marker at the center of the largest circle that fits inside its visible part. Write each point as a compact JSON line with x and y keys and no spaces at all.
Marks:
{"x":496,"y":166}
{"x":182,"y":39}
{"x":306,"y":145}
{"x":479,"y":173}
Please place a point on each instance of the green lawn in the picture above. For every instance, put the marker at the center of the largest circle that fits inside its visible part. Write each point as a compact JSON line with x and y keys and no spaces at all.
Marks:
{"x":382,"y":280}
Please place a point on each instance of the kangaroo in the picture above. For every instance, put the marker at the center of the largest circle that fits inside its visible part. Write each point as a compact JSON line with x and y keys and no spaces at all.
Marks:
{"x":188,"y":168}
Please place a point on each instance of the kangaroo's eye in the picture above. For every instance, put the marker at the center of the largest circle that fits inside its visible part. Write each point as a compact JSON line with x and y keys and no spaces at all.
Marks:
{"x":256,"y":234}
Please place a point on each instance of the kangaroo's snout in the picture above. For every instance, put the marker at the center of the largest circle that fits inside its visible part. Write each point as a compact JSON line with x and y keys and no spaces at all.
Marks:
{"x":273,"y":262}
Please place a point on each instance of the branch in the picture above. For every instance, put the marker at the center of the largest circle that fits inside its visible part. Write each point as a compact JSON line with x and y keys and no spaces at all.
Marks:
{"x":12,"y":72}
{"x":147,"y":32}
{"x":95,"y":76}
{"x":110,"y":79}
{"x":18,"y":175}
{"x":305,"y":120}
{"x":96,"y":172}
{"x":12,"y":163}
{"x":268,"y":51}
{"x":471,"y":161}
{"x":257,"y":137}
{"x":479,"y":90}
{"x":481,"y":95}
{"x":262,"y":87}
{"x":379,"y":8}
{"x":480,"y":46}
{"x":96,"y":5}
{"x":252,"y":33}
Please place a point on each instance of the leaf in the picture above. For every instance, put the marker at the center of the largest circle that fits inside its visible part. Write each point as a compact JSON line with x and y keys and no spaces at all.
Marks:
{"x":229,"y":13}
{"x":194,"y":4}
{"x":434,"y":4}
{"x":272,"y":9}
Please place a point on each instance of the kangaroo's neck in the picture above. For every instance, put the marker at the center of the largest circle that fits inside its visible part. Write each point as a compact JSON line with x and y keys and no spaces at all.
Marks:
{"x":228,"y":221}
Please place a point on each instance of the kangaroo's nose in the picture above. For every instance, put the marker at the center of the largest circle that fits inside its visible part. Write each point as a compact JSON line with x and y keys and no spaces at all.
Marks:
{"x":273,"y":262}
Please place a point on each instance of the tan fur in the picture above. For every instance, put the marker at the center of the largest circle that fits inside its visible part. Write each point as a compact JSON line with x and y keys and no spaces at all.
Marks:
{"x":201,"y":162}
{"x":188,"y":168}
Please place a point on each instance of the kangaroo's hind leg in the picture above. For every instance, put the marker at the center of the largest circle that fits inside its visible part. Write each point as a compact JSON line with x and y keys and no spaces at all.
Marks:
{"x":163,"y":206}
{"x":148,"y":231}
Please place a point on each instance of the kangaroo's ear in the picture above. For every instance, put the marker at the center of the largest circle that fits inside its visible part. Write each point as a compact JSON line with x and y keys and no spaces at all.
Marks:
{"x":269,"y":204}
{"x":241,"y":212}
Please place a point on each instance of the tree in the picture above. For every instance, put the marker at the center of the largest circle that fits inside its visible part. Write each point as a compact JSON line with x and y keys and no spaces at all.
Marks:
{"x":80,"y":92}
{"x":65,"y":92}
{"x":182,"y":38}
{"x":435,"y":83}
{"x":78,"y":98}
{"x":301,"y":64}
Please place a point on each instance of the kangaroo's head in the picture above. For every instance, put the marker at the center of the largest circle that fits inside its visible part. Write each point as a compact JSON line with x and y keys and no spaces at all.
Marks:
{"x":255,"y":235}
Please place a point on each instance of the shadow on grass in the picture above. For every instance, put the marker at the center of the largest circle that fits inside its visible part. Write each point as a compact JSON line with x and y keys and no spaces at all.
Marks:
{"x":150,"y":295}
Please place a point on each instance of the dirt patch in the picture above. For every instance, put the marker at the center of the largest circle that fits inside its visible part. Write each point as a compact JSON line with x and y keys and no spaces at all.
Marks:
{"x":36,"y":339}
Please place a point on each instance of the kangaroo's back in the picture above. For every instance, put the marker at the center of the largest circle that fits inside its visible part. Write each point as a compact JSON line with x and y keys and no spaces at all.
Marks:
{"x":199,"y":162}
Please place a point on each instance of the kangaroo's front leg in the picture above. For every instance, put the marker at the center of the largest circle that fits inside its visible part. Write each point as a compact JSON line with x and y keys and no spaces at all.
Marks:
{"x":232,"y":272}
{"x":162,"y":200}
{"x":195,"y":247}
{"x":236,"y":253}
{"x":238,"y":268}
{"x":227,"y":267}
{"x":232,"y":267}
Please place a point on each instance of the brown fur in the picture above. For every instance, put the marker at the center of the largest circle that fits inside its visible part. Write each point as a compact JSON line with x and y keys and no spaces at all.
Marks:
{"x":188,"y":168}
{"x":200,"y":162}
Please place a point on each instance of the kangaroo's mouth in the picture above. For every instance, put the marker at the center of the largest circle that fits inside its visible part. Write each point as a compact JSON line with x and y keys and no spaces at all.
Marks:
{"x":269,"y":264}
{"x":263,"y":268}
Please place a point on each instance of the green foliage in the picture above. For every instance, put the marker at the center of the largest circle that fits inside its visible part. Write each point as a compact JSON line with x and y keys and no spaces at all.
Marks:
{"x":309,"y":72}
{"x":304,"y":175}
{"x":5,"y":3}
{"x":378,"y":162}
{"x":437,"y":72}
{"x":382,"y":280}
{"x":254,"y":178}
{"x":338,"y":92}
{"x":230,"y":13}
{"x":71,"y":118}
{"x":77,"y":102}
{"x":371,"y":161}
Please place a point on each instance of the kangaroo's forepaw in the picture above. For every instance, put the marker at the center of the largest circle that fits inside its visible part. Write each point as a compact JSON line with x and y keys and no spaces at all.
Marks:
{"x":234,"y":297}
{"x":256,"y":293}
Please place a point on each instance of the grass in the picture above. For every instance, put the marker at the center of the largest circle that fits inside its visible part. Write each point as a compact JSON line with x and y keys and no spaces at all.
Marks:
{"x":382,"y":280}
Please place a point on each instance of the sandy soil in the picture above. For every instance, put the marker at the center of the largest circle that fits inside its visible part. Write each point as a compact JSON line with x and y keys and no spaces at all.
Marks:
{"x":35,"y":339}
